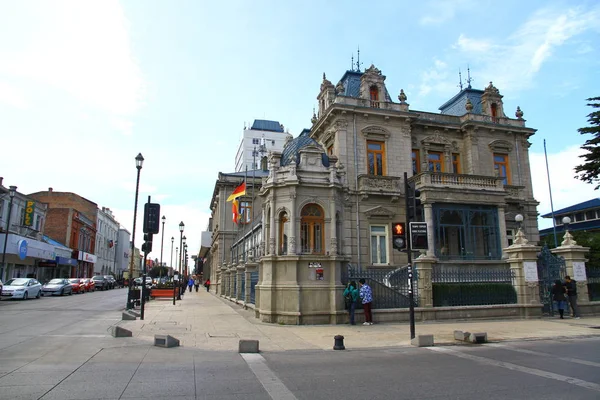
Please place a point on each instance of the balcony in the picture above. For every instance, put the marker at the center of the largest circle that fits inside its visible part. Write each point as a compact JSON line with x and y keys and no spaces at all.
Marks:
{"x":379,"y":185}
{"x":441,"y":180}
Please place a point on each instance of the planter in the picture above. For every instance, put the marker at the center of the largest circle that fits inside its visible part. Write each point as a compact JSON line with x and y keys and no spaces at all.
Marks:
{"x":164,"y":293}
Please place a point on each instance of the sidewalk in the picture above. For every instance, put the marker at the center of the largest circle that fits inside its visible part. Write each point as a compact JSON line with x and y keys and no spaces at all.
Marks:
{"x":208,"y":322}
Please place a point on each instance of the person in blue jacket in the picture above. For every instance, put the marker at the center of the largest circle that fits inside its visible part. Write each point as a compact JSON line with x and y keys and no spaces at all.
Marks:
{"x":351,"y":296}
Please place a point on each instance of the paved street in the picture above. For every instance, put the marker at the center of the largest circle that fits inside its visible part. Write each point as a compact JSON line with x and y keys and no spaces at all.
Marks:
{"x":60,"y":348}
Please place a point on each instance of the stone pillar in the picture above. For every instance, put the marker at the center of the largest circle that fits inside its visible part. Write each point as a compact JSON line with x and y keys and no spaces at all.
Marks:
{"x":232,"y":277}
{"x":574,"y":256}
{"x":238,"y":286}
{"x":428,"y":211}
{"x":333,"y":228}
{"x":522,"y":258}
{"x":272,"y":230}
{"x":223,"y":281}
{"x":502,"y":231}
{"x":424,"y":265}
{"x":292,"y":216}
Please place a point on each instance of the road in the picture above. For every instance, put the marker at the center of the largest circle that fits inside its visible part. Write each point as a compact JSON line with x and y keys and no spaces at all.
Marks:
{"x":59,"y":348}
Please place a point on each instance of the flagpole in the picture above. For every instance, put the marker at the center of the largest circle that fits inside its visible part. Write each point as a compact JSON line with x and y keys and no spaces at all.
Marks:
{"x":245,"y":217}
{"x":550,"y":190}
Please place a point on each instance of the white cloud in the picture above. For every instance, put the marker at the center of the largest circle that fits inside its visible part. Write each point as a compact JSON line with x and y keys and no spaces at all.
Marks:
{"x":81,"y":48}
{"x":566,"y":190}
{"x":12,"y":96}
{"x":435,"y":78}
{"x":468,"y":45}
{"x":124,"y":126}
{"x":440,"y":11}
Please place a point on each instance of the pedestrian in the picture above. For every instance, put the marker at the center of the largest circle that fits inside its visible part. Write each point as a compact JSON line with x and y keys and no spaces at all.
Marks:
{"x":182,"y":285}
{"x":366,"y":296}
{"x":197,"y":283}
{"x":190,"y":283}
{"x":571,"y":286}
{"x":559,"y":298}
{"x":351,"y":298}
{"x":207,"y":285}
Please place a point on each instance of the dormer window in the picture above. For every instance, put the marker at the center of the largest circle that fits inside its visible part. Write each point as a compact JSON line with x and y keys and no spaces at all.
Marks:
{"x":494,"y":111}
{"x":374,"y":96}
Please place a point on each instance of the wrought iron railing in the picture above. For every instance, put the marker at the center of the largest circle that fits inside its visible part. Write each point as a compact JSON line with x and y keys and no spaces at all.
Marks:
{"x":593,"y":282}
{"x":253,"y":282}
{"x":243,"y":287}
{"x":472,"y":286}
{"x":390,"y":286}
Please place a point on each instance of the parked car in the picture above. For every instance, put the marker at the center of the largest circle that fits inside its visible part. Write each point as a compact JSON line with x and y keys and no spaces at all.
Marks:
{"x":100,"y":282}
{"x":78,"y":287}
{"x":88,"y":284}
{"x":22,"y":288}
{"x":111,"y":281}
{"x":57,"y":286}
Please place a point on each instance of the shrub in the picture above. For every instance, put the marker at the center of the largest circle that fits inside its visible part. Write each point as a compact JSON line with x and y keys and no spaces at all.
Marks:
{"x":473,"y":294}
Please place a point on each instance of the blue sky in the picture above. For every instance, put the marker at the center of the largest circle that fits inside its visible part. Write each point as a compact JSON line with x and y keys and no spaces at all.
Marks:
{"x":87,"y":85}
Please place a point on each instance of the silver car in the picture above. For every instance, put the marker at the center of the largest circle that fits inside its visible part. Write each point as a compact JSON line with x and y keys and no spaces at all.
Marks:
{"x":22,"y":288}
{"x":57,"y":286}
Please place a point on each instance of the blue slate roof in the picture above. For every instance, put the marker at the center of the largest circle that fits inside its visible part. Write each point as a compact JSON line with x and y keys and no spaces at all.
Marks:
{"x":266,"y":125}
{"x":594,"y":203}
{"x":293,"y":147}
{"x":456,"y":105}
{"x":351,"y":82}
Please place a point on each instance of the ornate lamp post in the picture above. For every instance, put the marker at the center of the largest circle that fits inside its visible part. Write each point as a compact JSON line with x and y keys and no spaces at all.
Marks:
{"x":139,"y":160}
{"x":12,"y":191}
{"x":181,"y":226}
{"x":171,"y":264}
{"x":162,"y":239}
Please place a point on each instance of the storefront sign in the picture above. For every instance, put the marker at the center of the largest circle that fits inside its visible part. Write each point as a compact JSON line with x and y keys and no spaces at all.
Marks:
{"x":66,"y":261}
{"x":87,"y":257}
{"x":22,"y":246}
{"x":29,"y":208}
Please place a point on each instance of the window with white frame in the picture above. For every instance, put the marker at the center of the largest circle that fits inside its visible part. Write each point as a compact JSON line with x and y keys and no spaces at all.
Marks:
{"x":379,"y":248}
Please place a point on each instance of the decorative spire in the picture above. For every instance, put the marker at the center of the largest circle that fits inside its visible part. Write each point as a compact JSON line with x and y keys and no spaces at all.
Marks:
{"x":568,"y":240}
{"x":459,"y":80}
{"x":520,"y":237}
{"x":402,"y":96}
{"x":519,"y":113}
{"x":314,"y":117}
{"x":469,"y":79}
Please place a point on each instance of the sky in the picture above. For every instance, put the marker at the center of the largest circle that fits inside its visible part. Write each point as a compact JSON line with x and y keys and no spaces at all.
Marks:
{"x":87,"y":85}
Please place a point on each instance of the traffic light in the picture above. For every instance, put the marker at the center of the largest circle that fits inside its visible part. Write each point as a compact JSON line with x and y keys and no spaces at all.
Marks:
{"x":399,"y":235}
{"x":151,"y":218}
{"x":414,"y":208}
{"x":147,"y":245}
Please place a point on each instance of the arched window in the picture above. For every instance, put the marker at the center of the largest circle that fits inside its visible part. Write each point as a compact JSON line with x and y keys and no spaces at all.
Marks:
{"x":374,"y":96}
{"x":494,"y":110}
{"x":283,"y":232}
{"x":311,"y":229}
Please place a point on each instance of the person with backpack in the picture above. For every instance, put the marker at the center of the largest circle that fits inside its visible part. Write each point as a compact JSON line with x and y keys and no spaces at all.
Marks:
{"x":351,"y":298}
{"x":366,"y":296}
{"x":559,"y":297}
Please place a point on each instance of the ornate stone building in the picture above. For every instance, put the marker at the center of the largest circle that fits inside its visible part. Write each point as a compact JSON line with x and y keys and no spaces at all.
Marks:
{"x":332,"y":195}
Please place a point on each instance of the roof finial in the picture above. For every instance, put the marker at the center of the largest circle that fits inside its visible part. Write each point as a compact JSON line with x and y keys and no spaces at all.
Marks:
{"x":324,"y":77}
{"x":352,"y":63}
{"x":469,"y":79}
{"x":358,"y":60}
{"x":459,"y":80}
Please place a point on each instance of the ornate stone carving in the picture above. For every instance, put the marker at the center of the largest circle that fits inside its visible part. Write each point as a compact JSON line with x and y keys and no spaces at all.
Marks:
{"x":340,"y":124}
{"x":326,"y":83}
{"x":379,"y":212}
{"x":436,"y":138}
{"x":520,"y":238}
{"x":568,"y":240}
{"x":340,"y":89}
{"x":500,"y":146}
{"x":402,"y":96}
{"x":519,"y":114}
{"x":491,"y":89}
{"x":271,"y":245}
{"x":333,"y":246}
{"x":469,"y":105}
{"x":375,"y":131}
{"x":372,"y":70}
{"x":292,"y":245}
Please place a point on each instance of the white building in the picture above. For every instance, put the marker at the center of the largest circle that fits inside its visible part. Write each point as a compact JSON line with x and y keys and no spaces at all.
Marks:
{"x":263,"y":136}
{"x":123,"y":249}
{"x":107,"y":228}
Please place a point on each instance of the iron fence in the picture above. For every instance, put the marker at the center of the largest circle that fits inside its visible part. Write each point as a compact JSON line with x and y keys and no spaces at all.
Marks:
{"x":593,"y":282}
{"x":253,"y":282}
{"x":243,"y":288}
{"x":390,"y":286}
{"x":472,"y":286}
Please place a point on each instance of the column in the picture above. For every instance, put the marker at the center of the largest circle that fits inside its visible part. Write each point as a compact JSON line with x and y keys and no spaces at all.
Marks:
{"x":522,"y":258}
{"x":333,"y":228}
{"x":238,"y":286}
{"x":574,"y":256}
{"x":272,"y":229}
{"x":424,"y":265}
{"x":502,"y":233}
{"x":428,"y":211}
{"x":292,"y":238}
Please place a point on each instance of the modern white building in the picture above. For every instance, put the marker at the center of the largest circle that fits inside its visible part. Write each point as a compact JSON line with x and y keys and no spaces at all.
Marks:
{"x":123,"y":249}
{"x":107,"y":228}
{"x":258,"y":140}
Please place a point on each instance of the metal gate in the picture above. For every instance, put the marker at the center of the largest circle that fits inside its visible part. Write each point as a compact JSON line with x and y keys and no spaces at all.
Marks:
{"x":550,"y":268}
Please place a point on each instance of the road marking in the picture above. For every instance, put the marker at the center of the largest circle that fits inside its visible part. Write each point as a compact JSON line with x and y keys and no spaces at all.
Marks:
{"x":515,"y":367}
{"x":539,"y":353}
{"x":274,"y":387}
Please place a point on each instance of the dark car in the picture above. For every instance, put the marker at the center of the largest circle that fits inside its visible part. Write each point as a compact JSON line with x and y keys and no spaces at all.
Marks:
{"x":58,"y":287}
{"x":100,"y":282}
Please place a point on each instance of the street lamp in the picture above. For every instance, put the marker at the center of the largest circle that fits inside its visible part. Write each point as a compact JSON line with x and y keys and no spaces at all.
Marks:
{"x":171,"y":264}
{"x":182,"y":255}
{"x":519,"y":220}
{"x":139,"y":160}
{"x":161,"y":244}
{"x":11,"y":192}
{"x":181,"y":226}
{"x":566,"y":221}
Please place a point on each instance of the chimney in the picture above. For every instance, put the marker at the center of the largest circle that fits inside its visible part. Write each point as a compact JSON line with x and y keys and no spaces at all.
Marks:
{"x":49,"y":190}
{"x":1,"y":179}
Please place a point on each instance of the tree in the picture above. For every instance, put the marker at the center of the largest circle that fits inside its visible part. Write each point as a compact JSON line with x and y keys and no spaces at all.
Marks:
{"x":589,"y":171}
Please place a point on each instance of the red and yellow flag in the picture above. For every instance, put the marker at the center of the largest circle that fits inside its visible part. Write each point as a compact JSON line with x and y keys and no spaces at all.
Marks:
{"x":239,"y":191}
{"x":236,"y":211}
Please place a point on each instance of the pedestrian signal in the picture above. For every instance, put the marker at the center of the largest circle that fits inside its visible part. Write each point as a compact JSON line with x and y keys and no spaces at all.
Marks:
{"x":399,"y":235}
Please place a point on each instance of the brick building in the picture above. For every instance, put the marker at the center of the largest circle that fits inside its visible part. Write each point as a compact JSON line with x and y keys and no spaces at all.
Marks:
{"x":71,"y":220}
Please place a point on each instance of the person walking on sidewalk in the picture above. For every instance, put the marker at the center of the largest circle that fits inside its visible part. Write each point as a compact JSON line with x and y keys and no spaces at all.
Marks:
{"x":190,"y":283}
{"x":207,"y":285}
{"x":197,"y":283}
{"x":351,"y":298}
{"x":559,"y":298}
{"x":366,"y":296}
{"x":571,"y":287}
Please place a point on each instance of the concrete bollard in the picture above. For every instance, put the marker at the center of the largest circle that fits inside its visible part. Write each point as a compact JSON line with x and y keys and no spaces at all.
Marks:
{"x":165,"y":341}
{"x":248,"y":346}
{"x":127,"y":317}
{"x":460,"y":335}
{"x":422,"y":341}
{"x":478,"y":337}
{"x":117,"y":331}
{"x":338,"y":343}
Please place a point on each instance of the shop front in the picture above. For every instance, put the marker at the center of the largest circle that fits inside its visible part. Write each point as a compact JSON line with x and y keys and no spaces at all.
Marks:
{"x":85,"y":265}
{"x":22,"y":256}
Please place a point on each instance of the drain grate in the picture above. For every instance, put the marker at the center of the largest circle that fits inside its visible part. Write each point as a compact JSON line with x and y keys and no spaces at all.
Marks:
{"x":222,"y":335}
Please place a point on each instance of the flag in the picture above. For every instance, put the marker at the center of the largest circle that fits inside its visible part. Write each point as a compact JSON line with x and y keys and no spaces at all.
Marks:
{"x":236,"y":211}
{"x":239,"y":191}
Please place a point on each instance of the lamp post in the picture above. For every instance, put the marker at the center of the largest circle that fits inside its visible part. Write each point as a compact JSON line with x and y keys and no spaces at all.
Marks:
{"x":11,"y":192}
{"x":162,"y":239}
{"x":139,"y":160}
{"x":182,"y":254}
{"x":519,"y":221}
{"x":181,"y":226}
{"x":171,"y":264}
{"x":566,"y":221}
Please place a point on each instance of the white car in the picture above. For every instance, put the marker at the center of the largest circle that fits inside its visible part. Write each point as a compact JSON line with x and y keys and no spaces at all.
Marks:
{"x":22,"y":288}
